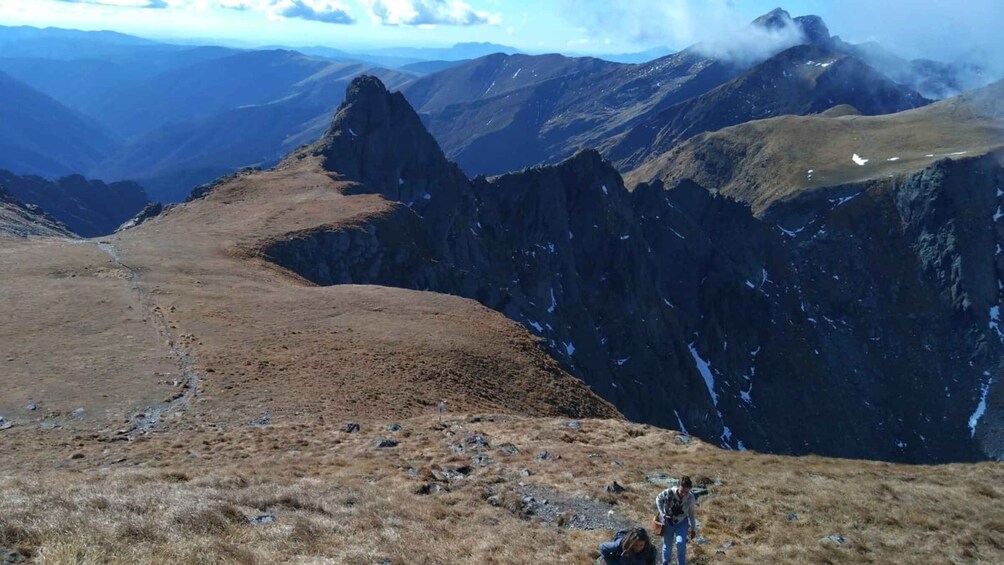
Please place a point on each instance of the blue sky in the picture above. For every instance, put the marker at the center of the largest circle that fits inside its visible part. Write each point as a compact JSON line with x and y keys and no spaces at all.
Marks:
{"x":913,"y":28}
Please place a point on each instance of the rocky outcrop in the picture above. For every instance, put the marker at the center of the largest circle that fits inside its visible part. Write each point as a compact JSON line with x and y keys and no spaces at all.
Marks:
{"x":20,"y":220}
{"x":89,"y":208}
{"x":850,"y":321}
{"x":150,"y":211}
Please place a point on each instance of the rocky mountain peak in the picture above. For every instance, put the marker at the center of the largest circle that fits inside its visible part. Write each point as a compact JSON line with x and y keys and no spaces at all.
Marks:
{"x":774,"y":19}
{"x":377,"y":139}
{"x":813,"y":28}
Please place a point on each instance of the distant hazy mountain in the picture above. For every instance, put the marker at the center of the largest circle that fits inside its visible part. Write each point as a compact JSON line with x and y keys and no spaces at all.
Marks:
{"x":458,"y":52}
{"x":41,"y":136}
{"x":638,"y":56}
{"x":82,"y":84}
{"x":55,"y":43}
{"x":934,"y":79}
{"x":631,"y":112}
{"x":202,"y":89}
{"x":806,"y":79}
{"x":429,"y":67}
{"x":180,"y":115}
{"x":388,"y":61}
{"x":495,"y":75}
{"x":496,"y":114}
{"x":402,"y":57}
{"x":172,"y":159}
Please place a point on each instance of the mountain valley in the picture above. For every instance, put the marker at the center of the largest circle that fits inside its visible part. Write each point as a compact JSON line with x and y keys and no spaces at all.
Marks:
{"x":452,"y":305}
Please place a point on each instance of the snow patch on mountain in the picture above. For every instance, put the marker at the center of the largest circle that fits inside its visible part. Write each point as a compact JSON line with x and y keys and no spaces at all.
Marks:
{"x":982,"y":406}
{"x":705,"y":369}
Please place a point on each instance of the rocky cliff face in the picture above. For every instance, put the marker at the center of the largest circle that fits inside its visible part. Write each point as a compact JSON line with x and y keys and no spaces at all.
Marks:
{"x":851,"y":322}
{"x":20,"y":220}
{"x":89,"y":208}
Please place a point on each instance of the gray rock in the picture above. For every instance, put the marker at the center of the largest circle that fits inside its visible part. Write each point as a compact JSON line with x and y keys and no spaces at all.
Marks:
{"x":394,"y":428}
{"x":264,"y":420}
{"x":614,"y":488}
{"x":791,"y":517}
{"x":835,"y":539}
{"x":350,"y":427}
{"x":544,"y":456}
{"x":429,"y":488}
{"x":508,"y":450}
{"x":77,"y":412}
{"x":477,"y":442}
{"x":524,"y":472}
{"x":31,"y":407}
{"x":573,"y":424}
{"x":6,"y":425}
{"x":383,"y":442}
{"x":480,"y":460}
{"x":11,"y":557}
{"x":684,"y":440}
{"x":262,"y":519}
{"x":663,"y":480}
{"x":701,"y":540}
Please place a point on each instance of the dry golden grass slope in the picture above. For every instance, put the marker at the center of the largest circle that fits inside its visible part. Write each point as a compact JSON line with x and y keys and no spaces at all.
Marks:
{"x":764,"y":161}
{"x":165,"y":385}
{"x":128,"y":323}
{"x":188,"y":498}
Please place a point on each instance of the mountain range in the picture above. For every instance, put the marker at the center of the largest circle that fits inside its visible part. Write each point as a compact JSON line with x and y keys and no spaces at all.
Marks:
{"x":802,"y":251}
{"x":172,"y":117}
{"x":685,"y":308}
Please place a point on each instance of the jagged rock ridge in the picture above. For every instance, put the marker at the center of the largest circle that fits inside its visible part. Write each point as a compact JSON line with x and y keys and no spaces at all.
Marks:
{"x":682,"y":307}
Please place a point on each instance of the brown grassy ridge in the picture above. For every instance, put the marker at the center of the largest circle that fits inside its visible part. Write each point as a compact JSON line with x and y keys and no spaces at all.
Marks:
{"x":173,"y":497}
{"x":765,"y":161}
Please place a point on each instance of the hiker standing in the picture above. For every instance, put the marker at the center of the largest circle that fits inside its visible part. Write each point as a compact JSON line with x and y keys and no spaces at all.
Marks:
{"x":629,"y":547}
{"x":676,"y":507}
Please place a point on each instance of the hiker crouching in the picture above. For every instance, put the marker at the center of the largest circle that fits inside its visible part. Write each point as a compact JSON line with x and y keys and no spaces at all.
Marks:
{"x":629,"y":547}
{"x":676,"y":506}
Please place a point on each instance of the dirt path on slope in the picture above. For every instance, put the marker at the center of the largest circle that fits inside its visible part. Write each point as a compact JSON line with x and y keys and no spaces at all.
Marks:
{"x":153,"y":414}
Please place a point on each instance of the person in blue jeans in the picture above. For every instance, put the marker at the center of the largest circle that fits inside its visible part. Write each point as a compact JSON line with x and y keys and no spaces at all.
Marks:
{"x":677,"y":509}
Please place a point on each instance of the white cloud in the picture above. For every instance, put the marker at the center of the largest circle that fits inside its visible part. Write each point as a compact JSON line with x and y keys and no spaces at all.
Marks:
{"x":121,"y":3}
{"x":326,"y":11}
{"x":315,"y":10}
{"x":753,"y":43}
{"x":427,"y":13}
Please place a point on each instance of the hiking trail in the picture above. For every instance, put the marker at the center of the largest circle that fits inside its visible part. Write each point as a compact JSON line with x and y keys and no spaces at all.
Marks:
{"x":153,"y":414}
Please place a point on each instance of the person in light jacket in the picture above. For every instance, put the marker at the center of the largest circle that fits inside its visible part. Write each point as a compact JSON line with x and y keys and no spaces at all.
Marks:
{"x":629,"y":547}
{"x":677,"y":508}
